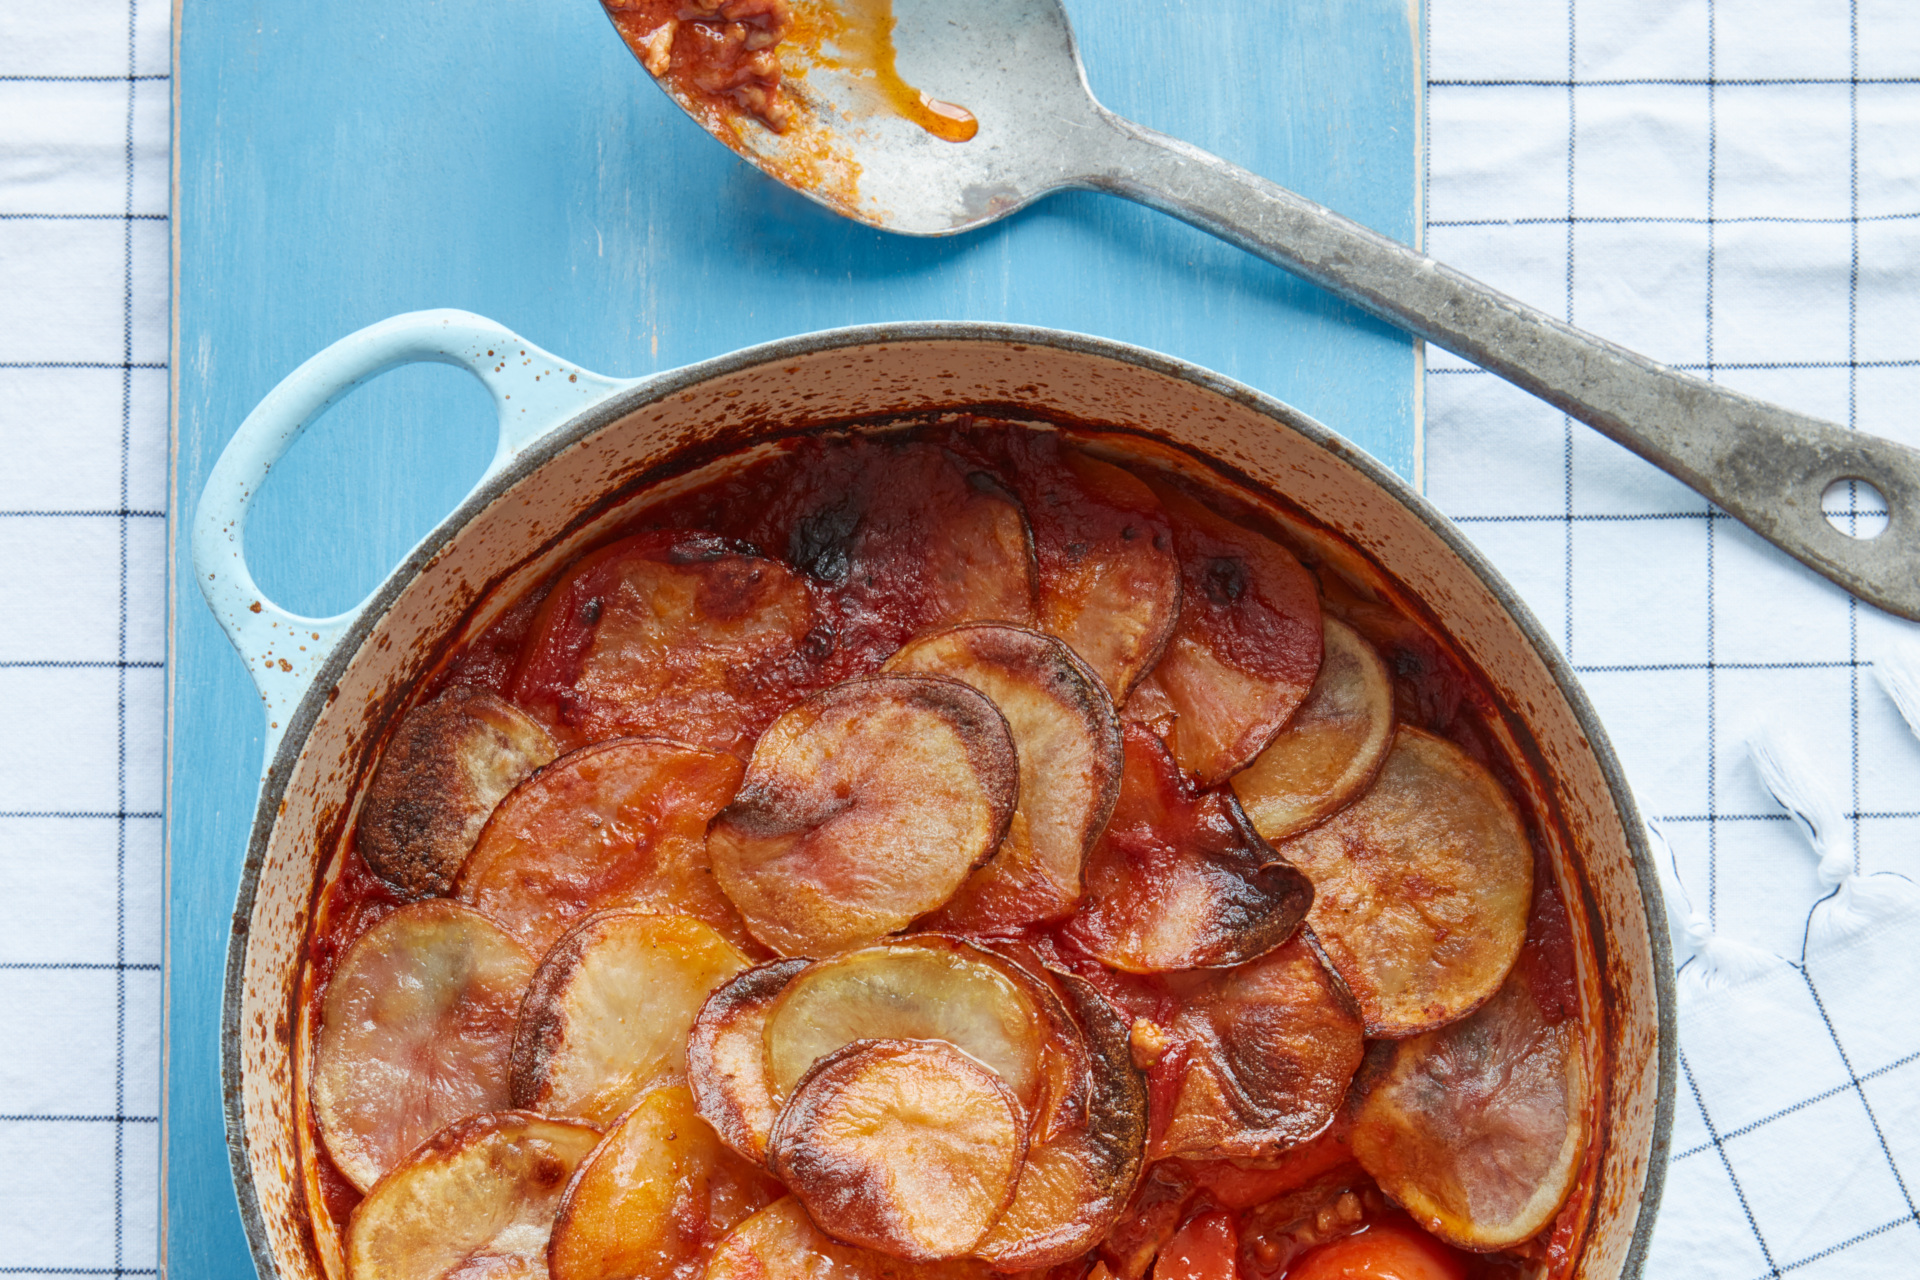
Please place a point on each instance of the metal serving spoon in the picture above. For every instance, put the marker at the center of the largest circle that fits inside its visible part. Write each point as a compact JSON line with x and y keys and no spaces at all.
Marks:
{"x":1014,"y":65}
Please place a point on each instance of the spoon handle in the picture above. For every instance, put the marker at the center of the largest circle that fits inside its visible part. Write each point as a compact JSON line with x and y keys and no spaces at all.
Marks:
{"x":1766,"y":466}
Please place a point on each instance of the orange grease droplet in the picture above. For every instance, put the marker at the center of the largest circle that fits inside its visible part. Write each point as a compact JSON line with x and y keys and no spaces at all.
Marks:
{"x":865,"y":44}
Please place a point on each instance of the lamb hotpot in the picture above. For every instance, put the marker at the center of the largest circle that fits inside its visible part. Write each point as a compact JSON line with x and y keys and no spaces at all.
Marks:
{"x":577,"y":449}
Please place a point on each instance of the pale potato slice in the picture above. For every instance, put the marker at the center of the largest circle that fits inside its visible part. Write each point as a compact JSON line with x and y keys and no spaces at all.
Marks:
{"x":781,"y":1243}
{"x":449,"y":762}
{"x":1421,"y":887}
{"x":1247,"y":647}
{"x":1179,"y":880}
{"x":926,"y":987}
{"x":1332,"y":747}
{"x":477,"y":1199}
{"x":727,"y":1057}
{"x":1075,"y":1185}
{"x":1067,"y":737}
{"x":616,"y":824}
{"x":416,"y":1028}
{"x":864,"y":808}
{"x":654,"y":1197}
{"x":908,"y":1146}
{"x":670,"y":634}
{"x":1265,"y":1055}
{"x":1477,"y":1129}
{"x":608,"y":1013}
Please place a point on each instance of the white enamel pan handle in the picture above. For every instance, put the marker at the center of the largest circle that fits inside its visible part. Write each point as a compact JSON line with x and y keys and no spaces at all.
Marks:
{"x":533,"y":392}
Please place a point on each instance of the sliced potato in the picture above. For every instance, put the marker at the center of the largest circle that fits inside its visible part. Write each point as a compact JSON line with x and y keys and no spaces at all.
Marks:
{"x":727,"y":1057}
{"x":1067,"y":738}
{"x":608,"y":1013}
{"x":1421,"y":887}
{"x":1075,"y":1185}
{"x":617,"y":824}
{"x":781,"y":1243}
{"x":449,"y":762}
{"x":926,"y":987}
{"x":670,"y":634}
{"x":1109,"y":579}
{"x":1478,"y":1128}
{"x":1332,"y":747}
{"x":908,"y":1146}
{"x":907,"y":538}
{"x":654,"y":1197}
{"x":476,"y":1199}
{"x":1247,"y":647}
{"x":1269,"y":1050}
{"x":415,"y":1032}
{"x":863,"y":808}
{"x":1180,"y":881}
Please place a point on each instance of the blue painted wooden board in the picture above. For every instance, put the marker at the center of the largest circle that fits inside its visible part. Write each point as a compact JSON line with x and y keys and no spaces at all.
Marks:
{"x":344,"y":160}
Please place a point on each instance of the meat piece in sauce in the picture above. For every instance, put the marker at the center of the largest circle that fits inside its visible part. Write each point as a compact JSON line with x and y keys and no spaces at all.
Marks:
{"x":723,"y":53}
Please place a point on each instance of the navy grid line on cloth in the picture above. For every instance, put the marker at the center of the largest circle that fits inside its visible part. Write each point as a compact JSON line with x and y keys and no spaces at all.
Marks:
{"x":83,"y":274}
{"x":1730,"y":186}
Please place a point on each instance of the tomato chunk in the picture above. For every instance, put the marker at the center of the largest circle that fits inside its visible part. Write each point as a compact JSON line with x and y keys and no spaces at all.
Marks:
{"x":1204,"y":1249}
{"x":1387,"y":1251}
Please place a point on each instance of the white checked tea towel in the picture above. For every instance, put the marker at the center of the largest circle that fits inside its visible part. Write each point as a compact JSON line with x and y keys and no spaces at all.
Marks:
{"x":83,"y":491}
{"x":1732,"y":186}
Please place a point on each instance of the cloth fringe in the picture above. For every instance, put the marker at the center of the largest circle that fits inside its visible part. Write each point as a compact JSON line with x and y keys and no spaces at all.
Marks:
{"x":1802,"y":790}
{"x":1708,"y":961}
{"x":1897,"y":667}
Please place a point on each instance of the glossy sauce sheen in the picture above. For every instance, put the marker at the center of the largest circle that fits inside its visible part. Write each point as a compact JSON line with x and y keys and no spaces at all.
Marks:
{"x":814,"y":505}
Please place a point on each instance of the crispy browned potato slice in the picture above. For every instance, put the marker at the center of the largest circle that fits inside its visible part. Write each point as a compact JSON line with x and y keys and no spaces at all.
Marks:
{"x":908,"y":1146}
{"x":654,"y":1197}
{"x":1180,"y":881}
{"x":1113,"y":592}
{"x":449,"y":762}
{"x":1109,"y":580}
{"x":727,"y":1057}
{"x":1332,"y":747}
{"x":926,"y":987}
{"x":1247,"y":647}
{"x":781,"y":1243}
{"x":608,"y":1013}
{"x":617,"y":824}
{"x":904,"y":537}
{"x":1265,"y":1054}
{"x":670,"y":634}
{"x":864,"y":808}
{"x":1421,"y":887}
{"x":1074,"y":1186}
{"x":1478,"y":1128}
{"x":1067,"y":737}
{"x":415,"y":1032}
{"x":476,"y":1199}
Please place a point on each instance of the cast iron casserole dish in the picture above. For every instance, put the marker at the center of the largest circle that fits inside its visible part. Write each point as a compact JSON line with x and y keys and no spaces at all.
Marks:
{"x":576,"y":449}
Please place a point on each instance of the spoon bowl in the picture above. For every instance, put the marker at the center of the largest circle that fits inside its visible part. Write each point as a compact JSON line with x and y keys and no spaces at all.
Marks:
{"x":853,"y":64}
{"x":1012,"y":64}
